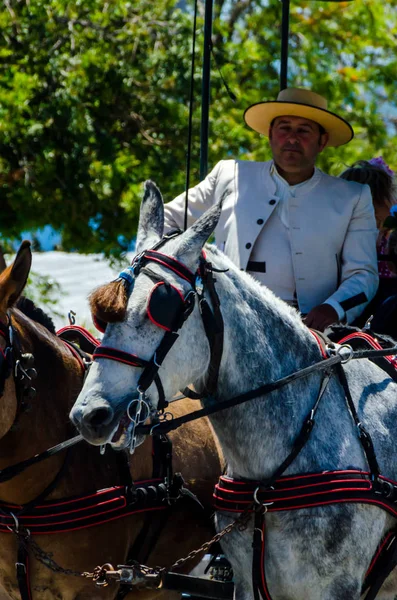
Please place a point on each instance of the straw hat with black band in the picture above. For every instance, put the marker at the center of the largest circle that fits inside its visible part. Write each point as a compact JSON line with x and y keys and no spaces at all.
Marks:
{"x":297,"y":102}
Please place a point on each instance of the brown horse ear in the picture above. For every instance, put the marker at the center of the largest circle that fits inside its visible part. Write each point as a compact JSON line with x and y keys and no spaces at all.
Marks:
{"x":14,"y":278}
{"x":108,"y":303}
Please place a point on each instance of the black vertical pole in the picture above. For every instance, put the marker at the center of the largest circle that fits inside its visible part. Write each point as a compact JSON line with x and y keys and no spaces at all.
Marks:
{"x":284,"y":44}
{"x":205,"y":90}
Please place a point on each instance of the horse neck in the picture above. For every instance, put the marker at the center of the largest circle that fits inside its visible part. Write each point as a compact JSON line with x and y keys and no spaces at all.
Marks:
{"x":264,"y":339}
{"x":44,"y":422}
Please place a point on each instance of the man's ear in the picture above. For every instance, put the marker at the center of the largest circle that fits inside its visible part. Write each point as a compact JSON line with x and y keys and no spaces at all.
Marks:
{"x":324,"y":137}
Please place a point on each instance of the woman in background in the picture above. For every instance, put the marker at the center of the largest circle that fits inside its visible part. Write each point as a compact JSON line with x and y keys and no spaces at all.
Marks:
{"x":380,"y":178}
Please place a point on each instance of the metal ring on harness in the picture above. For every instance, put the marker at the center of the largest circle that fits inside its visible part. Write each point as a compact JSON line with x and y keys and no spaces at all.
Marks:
{"x":345,"y":356}
{"x":14,"y":529}
{"x":165,"y":415}
{"x":264,"y":504}
{"x":138,"y":402}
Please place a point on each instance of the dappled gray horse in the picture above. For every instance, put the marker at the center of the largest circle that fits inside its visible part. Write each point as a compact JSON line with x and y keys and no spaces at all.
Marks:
{"x":314,"y":553}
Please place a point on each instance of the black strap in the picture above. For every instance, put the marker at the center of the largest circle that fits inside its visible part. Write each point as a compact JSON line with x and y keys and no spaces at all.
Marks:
{"x":153,"y":525}
{"x":214,"y":328}
{"x":363,"y":434}
{"x":166,"y":427}
{"x":119,"y":356}
{"x":166,"y":261}
{"x":156,"y":361}
{"x":383,"y":570}
{"x":303,"y":436}
{"x":257,"y":543}
{"x":22,"y":568}
{"x":9,"y":472}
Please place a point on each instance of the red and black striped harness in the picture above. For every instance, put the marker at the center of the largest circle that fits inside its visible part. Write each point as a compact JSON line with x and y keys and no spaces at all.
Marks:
{"x":44,"y":517}
{"x":310,"y":490}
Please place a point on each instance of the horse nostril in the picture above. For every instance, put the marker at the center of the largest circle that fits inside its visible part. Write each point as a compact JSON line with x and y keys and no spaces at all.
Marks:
{"x":99,"y":416}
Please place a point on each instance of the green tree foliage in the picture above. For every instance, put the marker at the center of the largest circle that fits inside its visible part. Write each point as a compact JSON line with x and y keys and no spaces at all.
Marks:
{"x":44,"y":291}
{"x":94,"y":99}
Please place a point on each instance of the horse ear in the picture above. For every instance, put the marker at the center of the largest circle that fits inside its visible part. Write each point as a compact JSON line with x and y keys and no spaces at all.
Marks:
{"x":191,"y":242}
{"x":14,"y":278}
{"x":151,"y":218}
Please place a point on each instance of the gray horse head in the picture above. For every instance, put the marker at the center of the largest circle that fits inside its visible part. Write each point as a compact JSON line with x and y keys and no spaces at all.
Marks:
{"x":100,"y":411}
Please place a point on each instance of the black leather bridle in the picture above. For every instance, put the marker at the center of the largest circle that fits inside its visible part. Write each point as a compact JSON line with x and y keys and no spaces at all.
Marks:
{"x":212,"y":319}
{"x":14,"y":361}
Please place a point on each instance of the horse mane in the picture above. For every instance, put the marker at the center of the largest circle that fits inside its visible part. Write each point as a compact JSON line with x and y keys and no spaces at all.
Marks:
{"x":108,"y":303}
{"x":35,"y":313}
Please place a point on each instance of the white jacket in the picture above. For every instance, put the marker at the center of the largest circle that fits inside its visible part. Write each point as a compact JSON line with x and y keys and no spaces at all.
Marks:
{"x":332,"y":231}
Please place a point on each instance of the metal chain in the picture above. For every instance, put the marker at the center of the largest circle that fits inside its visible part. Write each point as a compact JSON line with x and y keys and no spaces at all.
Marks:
{"x":46,"y":559}
{"x":241,"y":523}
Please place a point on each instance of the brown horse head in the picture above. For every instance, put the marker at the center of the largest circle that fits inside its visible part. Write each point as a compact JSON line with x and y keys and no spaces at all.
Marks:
{"x":12,"y":282}
{"x":28,"y":340}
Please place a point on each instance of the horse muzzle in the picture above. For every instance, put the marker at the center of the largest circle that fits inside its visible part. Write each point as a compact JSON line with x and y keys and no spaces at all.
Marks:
{"x":95,"y":420}
{"x":100,"y":424}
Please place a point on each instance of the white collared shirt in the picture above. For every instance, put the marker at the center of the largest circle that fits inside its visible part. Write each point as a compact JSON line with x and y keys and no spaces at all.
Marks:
{"x":273,"y":246}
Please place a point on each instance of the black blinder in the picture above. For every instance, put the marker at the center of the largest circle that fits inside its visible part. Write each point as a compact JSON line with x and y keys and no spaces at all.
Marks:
{"x":166,"y":306}
{"x":99,"y":324}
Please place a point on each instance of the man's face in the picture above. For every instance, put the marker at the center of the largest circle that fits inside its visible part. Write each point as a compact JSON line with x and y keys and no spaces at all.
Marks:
{"x":295,"y":143}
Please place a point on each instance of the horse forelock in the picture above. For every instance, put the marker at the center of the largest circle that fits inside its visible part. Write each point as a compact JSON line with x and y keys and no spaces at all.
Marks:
{"x":108,"y":303}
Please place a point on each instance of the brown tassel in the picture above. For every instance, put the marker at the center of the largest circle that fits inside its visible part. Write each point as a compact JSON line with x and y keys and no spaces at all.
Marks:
{"x":108,"y":303}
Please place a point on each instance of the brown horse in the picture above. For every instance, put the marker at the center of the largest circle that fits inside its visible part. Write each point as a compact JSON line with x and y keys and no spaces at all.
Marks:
{"x":42,"y":422}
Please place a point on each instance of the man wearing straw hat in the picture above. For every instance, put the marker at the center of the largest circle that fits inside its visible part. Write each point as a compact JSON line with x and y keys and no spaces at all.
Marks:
{"x":309,"y":237}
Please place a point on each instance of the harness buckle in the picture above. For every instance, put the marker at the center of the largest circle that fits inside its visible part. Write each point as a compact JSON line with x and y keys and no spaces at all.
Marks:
{"x":386,"y":489}
{"x":136,"y":263}
{"x":20,"y":565}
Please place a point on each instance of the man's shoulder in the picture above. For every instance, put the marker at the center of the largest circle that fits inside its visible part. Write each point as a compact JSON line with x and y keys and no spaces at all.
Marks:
{"x":231,"y":164}
{"x":350,"y":188}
